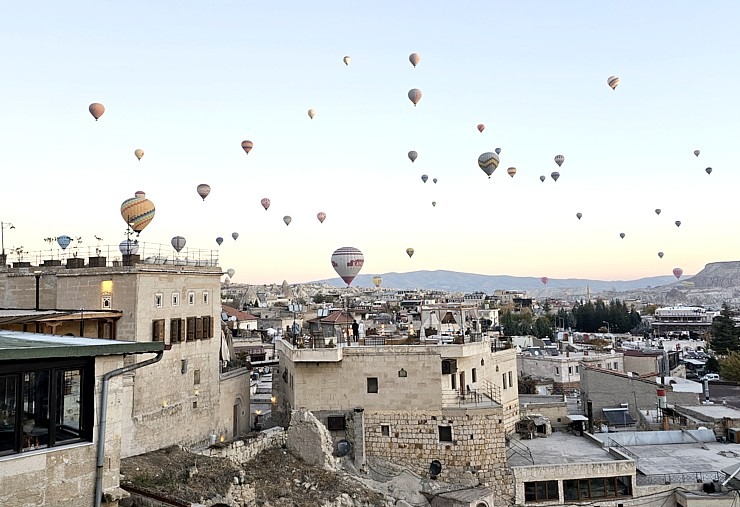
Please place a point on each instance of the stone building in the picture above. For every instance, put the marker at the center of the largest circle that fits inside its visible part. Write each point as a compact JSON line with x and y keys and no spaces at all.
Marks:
{"x":50,"y":417}
{"x":409,"y":404}
{"x":565,"y":369}
{"x":191,"y":394}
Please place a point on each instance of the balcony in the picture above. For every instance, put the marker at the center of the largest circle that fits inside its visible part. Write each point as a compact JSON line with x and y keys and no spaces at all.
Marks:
{"x":309,"y":355}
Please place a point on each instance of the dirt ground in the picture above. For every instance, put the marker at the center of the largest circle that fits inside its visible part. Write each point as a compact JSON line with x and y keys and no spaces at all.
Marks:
{"x":279,"y":478}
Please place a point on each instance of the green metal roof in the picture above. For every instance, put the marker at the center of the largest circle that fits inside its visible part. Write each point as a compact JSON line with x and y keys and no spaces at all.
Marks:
{"x":15,"y":345}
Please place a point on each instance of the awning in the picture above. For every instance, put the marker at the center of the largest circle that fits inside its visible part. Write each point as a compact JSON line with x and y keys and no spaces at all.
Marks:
{"x":618,"y":417}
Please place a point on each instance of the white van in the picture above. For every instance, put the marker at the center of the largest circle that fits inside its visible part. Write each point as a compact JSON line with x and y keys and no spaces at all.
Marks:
{"x":710,"y":377}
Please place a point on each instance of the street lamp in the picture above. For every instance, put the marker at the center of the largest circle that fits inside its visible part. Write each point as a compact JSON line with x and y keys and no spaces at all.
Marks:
{"x":3,"y":226}
{"x":608,"y":327}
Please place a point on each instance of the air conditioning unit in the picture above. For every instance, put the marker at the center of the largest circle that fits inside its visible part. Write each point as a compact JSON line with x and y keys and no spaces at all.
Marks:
{"x":733,"y":435}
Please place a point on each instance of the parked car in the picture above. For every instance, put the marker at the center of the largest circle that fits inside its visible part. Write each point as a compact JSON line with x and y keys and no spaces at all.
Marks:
{"x":710,"y":377}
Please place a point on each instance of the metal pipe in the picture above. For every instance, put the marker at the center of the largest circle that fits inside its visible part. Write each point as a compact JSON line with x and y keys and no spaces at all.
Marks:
{"x":103,"y":417}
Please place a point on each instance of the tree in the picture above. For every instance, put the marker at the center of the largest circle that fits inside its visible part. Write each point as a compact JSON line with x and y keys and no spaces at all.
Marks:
{"x":712,"y":365}
{"x":725,"y":336}
{"x":729,"y":366}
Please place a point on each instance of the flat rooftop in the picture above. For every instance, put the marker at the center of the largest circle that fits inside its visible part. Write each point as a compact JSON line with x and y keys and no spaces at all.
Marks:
{"x":684,"y":458}
{"x":15,"y":345}
{"x":715,"y":412}
{"x":558,"y":449}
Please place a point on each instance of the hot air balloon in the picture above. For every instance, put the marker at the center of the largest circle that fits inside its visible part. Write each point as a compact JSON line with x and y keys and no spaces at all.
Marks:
{"x":139,"y":193}
{"x":415,"y":96}
{"x":137,"y":211}
{"x":346,"y":60}
{"x":544,"y":280}
{"x":660,"y":254}
{"x":678,"y":223}
{"x":542,"y":178}
{"x":709,"y":170}
{"x":414,"y":58}
{"x":178,"y":242}
{"x":410,"y":252}
{"x":230,"y":272}
{"x":219,"y":240}
{"x":247,"y":146}
{"x":621,"y":235}
{"x":677,"y":272}
{"x":498,"y":151}
{"x":579,"y":215}
{"x":434,"y":204}
{"x":204,"y":190}
{"x":481,"y":127}
{"x":555,"y":175}
{"x":424,"y":178}
{"x":235,"y":235}
{"x":657,"y":211}
{"x":265,"y":203}
{"x":413,"y":155}
{"x":559,"y":159}
{"x":96,"y":110}
{"x":128,"y":247}
{"x":321,"y":216}
{"x":311,"y":113}
{"x":434,"y":180}
{"x":139,"y":153}
{"x":488,"y":161}
{"x":64,"y":241}
{"x":696,"y":152}
{"x":377,"y":281}
{"x":613,"y":81}
{"x":287,"y":220}
{"x":347,"y":262}
{"x":511,"y":171}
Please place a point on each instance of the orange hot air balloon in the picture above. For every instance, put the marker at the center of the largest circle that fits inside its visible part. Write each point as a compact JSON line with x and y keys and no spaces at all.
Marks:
{"x":247,"y":146}
{"x":96,"y":110}
{"x":481,"y":127}
{"x":415,"y":95}
{"x":137,"y":212}
{"x":265,"y":203}
{"x":321,"y":216}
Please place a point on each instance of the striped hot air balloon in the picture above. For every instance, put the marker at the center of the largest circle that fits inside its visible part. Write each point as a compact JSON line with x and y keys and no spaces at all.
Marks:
{"x":612,"y":81}
{"x":488,"y":162}
{"x":137,"y":212}
{"x":347,"y":262}
{"x":247,"y":146}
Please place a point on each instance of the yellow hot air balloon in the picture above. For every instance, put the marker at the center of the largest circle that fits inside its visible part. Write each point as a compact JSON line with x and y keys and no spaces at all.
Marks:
{"x":346,"y":60}
{"x":377,"y":281}
{"x":139,"y":153}
{"x":613,"y":81}
{"x":96,"y":110}
{"x":137,"y":212}
{"x":311,"y":113}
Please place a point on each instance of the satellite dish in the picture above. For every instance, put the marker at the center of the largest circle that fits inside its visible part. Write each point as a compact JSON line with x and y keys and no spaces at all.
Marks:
{"x":343,"y":447}
{"x":435,"y":468}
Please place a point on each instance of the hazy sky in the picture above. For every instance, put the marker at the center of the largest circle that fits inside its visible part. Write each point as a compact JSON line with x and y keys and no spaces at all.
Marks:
{"x":188,"y":81}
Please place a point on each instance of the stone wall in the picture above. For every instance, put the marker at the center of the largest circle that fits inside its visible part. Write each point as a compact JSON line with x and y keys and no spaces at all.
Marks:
{"x":243,"y":451}
{"x":233,"y":392}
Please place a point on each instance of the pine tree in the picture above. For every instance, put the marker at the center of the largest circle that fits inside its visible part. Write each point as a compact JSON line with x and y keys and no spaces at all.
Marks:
{"x":725,"y":336}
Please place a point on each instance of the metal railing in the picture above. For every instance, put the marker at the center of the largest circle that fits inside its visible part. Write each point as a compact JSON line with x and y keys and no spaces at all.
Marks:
{"x":492,"y":390}
{"x":516,"y":448}
{"x":612,"y":443}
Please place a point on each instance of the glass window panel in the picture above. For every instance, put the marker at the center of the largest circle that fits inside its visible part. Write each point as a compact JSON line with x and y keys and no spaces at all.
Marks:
{"x":8,"y":396}
{"x":598,"y":489}
{"x":68,"y":415}
{"x":35,"y":417}
{"x":624,"y":486}
{"x":611,"y":486}
{"x":530,"y":493}
{"x":570,"y":489}
{"x":583,"y":492}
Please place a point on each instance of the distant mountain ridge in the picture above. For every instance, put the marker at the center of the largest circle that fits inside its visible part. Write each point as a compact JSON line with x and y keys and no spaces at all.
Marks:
{"x":455,"y":281}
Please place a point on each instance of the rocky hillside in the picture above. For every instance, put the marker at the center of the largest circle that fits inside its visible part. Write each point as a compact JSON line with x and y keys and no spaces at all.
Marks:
{"x":718,"y":275}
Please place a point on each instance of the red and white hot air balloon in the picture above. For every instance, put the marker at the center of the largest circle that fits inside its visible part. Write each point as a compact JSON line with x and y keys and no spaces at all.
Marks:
{"x":544,"y":280}
{"x":677,"y":272}
{"x":265,"y":203}
{"x":347,"y":262}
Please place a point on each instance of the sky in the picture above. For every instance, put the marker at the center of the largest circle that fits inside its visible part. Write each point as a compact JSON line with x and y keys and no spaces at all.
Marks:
{"x":188,"y":82}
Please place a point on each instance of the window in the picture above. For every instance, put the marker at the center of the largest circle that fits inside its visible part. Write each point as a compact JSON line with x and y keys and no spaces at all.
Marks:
{"x":205,"y":297}
{"x":474,"y":375}
{"x":511,"y":384}
{"x":557,"y":371}
{"x":198,"y":329}
{"x":207,"y":327}
{"x":335,"y":423}
{"x":191,"y":298}
{"x":175,"y":299}
{"x":445,"y":433}
{"x":616,"y":365}
{"x":158,"y":300}
{"x":190,"y":329}
{"x":570,"y":370}
{"x":540,"y":491}
{"x":105,"y":302}
{"x":597,"y":487}
{"x":385,"y":430}
{"x":196,"y":377}
{"x":177,"y":331}
{"x":503,"y":377}
{"x":372,"y":384}
{"x":577,"y":369}
{"x":158,"y":330}
{"x":46,"y":405}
